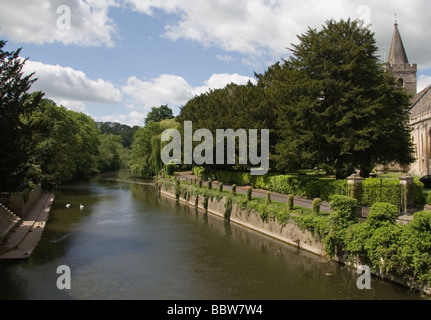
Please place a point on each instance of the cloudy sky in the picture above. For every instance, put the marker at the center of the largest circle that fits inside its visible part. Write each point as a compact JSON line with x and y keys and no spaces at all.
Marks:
{"x":116,"y":59}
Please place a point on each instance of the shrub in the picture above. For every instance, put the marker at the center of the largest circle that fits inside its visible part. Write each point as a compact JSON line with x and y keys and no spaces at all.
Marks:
{"x":210,"y":184}
{"x":170,"y":169}
{"x":234,"y":190}
{"x":316,"y":205}
{"x":249,"y":194}
{"x":344,"y":207}
{"x":220,"y":187}
{"x":381,"y":213}
{"x":228,"y":208}
{"x":268,"y":198}
{"x":290,"y":202}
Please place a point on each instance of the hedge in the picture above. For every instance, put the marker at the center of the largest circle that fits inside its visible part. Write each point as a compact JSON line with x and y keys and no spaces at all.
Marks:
{"x":302,"y":186}
{"x":374,"y":190}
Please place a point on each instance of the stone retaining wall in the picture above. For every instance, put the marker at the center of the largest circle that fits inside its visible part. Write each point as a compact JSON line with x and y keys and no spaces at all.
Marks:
{"x":22,"y":206}
{"x":289,"y":233}
{"x":8,"y":221}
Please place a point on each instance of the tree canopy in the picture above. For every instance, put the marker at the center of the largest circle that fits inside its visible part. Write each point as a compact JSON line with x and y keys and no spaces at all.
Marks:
{"x":145,"y":157}
{"x":159,"y":114}
{"x":338,"y":108}
{"x":15,"y":105}
{"x":126,"y":132}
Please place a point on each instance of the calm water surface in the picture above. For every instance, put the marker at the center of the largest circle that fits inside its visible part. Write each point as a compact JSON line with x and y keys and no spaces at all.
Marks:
{"x":130,"y":243}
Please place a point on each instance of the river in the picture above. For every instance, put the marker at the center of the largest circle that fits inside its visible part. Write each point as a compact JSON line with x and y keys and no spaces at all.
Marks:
{"x":130,"y":243}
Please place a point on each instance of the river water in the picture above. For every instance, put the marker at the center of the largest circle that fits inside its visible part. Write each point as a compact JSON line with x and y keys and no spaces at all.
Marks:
{"x":130,"y":243}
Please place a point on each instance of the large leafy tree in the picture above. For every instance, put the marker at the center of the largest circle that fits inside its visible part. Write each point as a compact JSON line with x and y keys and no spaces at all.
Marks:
{"x":145,"y":157}
{"x":15,"y":105}
{"x":64,"y":143}
{"x":159,"y":114}
{"x":118,"y":129}
{"x":233,"y":107}
{"x":338,"y":108}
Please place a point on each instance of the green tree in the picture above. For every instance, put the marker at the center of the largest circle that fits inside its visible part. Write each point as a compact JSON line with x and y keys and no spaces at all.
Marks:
{"x":64,"y":143}
{"x":233,"y":107}
{"x":145,"y":157}
{"x":88,"y":136}
{"x":159,"y":114}
{"x":53,"y":142}
{"x":338,"y":108}
{"x":15,"y":104}
{"x":111,"y":153}
{"x":126,"y":132}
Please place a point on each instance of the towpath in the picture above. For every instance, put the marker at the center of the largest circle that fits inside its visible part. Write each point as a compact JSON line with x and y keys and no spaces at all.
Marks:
{"x":21,"y":243}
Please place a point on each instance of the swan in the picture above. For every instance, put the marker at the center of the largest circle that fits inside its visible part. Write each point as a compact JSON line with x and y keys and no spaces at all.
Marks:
{"x":68,"y":206}
{"x":81,"y":207}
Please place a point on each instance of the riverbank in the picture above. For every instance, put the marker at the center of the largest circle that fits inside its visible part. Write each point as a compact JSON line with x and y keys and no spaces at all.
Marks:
{"x":22,"y":241}
{"x":285,"y":229}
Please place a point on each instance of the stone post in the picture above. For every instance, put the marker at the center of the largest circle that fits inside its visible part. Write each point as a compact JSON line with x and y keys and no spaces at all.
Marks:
{"x":406,"y":183}
{"x":354,"y":187}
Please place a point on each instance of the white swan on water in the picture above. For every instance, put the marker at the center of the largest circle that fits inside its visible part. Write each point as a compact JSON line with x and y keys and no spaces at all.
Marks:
{"x":81,"y":207}
{"x":68,"y":206}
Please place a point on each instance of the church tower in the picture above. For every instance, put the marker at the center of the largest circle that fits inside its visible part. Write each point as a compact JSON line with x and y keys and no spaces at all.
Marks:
{"x":399,"y":65}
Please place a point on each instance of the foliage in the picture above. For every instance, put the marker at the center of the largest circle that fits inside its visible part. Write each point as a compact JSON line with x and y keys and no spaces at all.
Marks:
{"x":316,"y":205}
{"x":290,"y":202}
{"x":15,"y":105}
{"x":387,"y":247}
{"x":234,"y":189}
{"x":171,"y":168}
{"x":268,"y":198}
{"x":338,"y":109}
{"x":381,"y":213}
{"x":249,"y":194}
{"x":344,"y":209}
{"x":159,"y":114}
{"x":145,"y":158}
{"x":117,"y":129}
{"x":235,"y":107}
{"x":64,"y":143}
{"x":112,"y":154}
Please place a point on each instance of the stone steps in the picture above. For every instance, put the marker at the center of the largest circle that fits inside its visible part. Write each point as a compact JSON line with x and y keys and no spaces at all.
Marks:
{"x":21,"y":243}
{"x":8,"y":221}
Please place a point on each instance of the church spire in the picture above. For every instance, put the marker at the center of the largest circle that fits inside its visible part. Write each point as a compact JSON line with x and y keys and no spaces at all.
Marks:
{"x":398,"y":64}
{"x":397,"y":53}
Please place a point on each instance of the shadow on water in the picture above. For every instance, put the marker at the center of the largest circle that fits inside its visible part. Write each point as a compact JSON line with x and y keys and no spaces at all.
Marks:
{"x":131,"y":243}
{"x":260,"y":267}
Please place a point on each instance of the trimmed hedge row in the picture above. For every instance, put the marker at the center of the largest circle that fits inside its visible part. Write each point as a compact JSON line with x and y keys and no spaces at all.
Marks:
{"x":374,"y":190}
{"x":302,"y":186}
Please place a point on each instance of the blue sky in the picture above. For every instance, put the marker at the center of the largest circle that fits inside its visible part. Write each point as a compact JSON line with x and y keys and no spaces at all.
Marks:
{"x":119,"y":58}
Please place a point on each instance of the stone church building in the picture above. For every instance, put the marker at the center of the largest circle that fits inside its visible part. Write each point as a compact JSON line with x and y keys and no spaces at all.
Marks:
{"x":420,"y":113}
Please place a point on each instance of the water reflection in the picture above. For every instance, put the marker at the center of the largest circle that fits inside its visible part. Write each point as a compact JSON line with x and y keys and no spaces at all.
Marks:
{"x":131,"y":243}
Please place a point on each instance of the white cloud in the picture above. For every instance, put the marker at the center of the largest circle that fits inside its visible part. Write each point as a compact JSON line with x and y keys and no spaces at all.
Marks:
{"x":219,"y":81}
{"x":67,"y":84}
{"x":172,"y":90}
{"x":132,"y":119}
{"x":72,"y":105}
{"x":37,"y":21}
{"x":166,"y":89}
{"x":264,"y":28}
